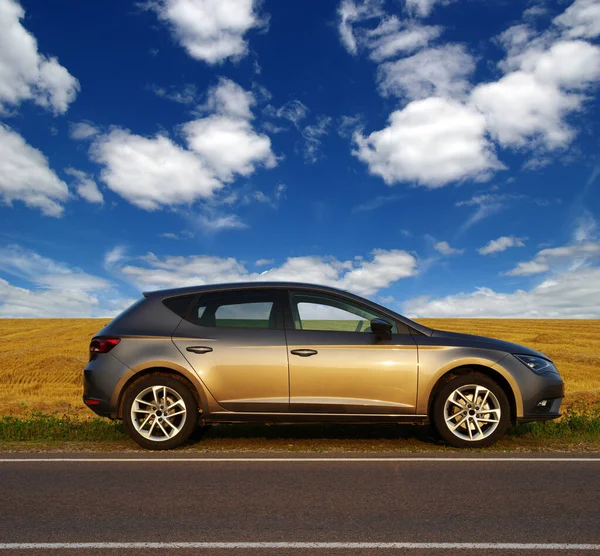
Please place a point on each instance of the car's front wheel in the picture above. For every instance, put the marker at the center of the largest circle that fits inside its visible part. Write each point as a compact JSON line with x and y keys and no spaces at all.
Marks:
{"x":159,"y":412}
{"x":471,"y":410}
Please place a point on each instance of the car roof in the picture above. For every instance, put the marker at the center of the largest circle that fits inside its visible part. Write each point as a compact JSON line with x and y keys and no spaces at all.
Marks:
{"x":161,"y":294}
{"x":241,"y":286}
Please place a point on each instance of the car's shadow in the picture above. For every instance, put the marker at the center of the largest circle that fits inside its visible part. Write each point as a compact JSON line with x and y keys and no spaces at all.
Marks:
{"x":313,"y":436}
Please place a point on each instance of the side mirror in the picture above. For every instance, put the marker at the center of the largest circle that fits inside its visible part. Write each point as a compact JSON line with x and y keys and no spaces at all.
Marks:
{"x":382,"y":329}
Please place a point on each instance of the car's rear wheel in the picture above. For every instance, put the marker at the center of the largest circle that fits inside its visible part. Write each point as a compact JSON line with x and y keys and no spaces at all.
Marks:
{"x":471,"y":410}
{"x":159,"y":412}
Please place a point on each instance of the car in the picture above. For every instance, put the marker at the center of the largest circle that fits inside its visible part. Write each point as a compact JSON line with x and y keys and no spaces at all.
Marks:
{"x":285,"y":352}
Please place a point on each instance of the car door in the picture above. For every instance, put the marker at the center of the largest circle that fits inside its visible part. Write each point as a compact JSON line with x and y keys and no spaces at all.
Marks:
{"x":337,"y":365}
{"x":235,"y":341}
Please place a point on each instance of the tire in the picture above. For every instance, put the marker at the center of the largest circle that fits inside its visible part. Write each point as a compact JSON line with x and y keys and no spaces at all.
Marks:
{"x":465,"y":424}
{"x":152,"y":423}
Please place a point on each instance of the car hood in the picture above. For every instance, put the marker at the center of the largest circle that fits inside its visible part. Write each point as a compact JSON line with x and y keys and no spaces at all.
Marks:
{"x":470,"y":340}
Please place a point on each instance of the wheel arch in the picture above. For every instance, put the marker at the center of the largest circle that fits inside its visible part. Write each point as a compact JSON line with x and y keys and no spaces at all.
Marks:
{"x":490,"y":372}
{"x":193,"y":385}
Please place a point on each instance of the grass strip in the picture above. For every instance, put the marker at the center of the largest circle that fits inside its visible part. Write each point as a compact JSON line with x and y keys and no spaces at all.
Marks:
{"x":580,"y":422}
{"x":40,"y":426}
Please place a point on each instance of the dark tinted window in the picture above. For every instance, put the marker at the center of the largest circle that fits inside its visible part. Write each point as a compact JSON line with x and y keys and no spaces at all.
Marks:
{"x":180,"y":304}
{"x":252,"y":309}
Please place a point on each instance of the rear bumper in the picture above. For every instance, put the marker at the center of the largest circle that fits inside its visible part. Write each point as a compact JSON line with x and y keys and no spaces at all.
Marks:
{"x":101,"y":379}
{"x":93,"y":397}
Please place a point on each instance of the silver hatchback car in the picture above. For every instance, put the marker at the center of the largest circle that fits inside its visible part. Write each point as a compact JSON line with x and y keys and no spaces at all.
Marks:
{"x":300,"y":353}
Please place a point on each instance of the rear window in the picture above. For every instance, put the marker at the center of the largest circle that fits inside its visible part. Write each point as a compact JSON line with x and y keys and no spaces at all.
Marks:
{"x":232,"y":309}
{"x":180,"y":304}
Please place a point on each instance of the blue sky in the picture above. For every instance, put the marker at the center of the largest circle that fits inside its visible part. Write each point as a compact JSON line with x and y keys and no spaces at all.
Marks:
{"x":439,"y":156}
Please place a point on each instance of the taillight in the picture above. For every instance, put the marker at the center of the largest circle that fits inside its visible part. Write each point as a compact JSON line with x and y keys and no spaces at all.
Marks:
{"x":102,"y":345}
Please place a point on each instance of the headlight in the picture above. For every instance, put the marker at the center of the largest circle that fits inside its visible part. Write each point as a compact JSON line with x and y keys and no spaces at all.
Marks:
{"x":538,"y":365}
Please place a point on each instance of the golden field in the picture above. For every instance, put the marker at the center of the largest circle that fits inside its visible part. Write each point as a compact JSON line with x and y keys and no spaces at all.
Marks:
{"x":41,"y":360}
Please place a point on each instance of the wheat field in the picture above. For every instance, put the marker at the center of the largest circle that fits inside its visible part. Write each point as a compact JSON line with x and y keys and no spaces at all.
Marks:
{"x":41,"y":360}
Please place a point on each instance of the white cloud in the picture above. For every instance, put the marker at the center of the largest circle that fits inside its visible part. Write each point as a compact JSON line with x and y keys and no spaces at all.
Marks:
{"x":264,"y":262}
{"x":537,"y":162}
{"x":547,"y":77}
{"x":174,"y":271}
{"x":580,"y":19}
{"x":571,"y":294}
{"x":347,"y":125}
{"x":181,"y":235}
{"x":351,"y":12}
{"x":444,"y":248}
{"x":280,"y":192}
{"x":586,"y":228}
{"x":376,"y":202}
{"x":519,"y":109}
{"x":360,"y":276}
{"x":229,"y":146}
{"x":115,"y":256}
{"x":392,"y":37}
{"x":501,"y":244}
{"x":571,"y":256}
{"x":443,"y":71}
{"x":26,"y":264}
{"x":487,"y":204}
{"x":211,"y":30}
{"x":535,"y":11}
{"x":294,"y":111}
{"x":226,"y":141}
{"x":528,"y":268}
{"x":85,"y":186}
{"x":313,"y":135}
{"x":227,"y":98}
{"x":273,"y":128}
{"x":568,"y":64}
{"x":155,"y":172}
{"x":82,"y":130}
{"x":248,"y":196}
{"x":211,"y":221}
{"x":57,"y":290}
{"x":26,"y":176}
{"x":181,"y":95}
{"x":431,"y":142}
{"x":20,"y":302}
{"x":72,"y":281}
{"x":387,"y":267}
{"x":424,"y":8}
{"x":25,"y":74}
{"x":56,"y":87}
{"x":516,"y":40}
{"x":152,"y":172}
{"x":529,"y":106}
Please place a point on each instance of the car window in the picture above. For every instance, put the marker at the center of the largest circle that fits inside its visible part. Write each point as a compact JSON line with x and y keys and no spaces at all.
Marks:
{"x":329,"y":313}
{"x":237,"y":310}
{"x":180,"y":304}
{"x":244,"y":315}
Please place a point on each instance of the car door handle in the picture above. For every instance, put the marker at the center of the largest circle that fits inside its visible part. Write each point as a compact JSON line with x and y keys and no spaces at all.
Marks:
{"x":304,"y":352}
{"x":199,"y":349}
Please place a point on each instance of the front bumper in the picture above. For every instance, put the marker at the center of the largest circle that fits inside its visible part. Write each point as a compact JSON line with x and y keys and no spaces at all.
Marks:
{"x":545,"y":404}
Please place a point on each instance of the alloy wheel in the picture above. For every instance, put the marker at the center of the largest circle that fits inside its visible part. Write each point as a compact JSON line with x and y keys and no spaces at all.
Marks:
{"x":158,"y":413}
{"x":472,"y":412}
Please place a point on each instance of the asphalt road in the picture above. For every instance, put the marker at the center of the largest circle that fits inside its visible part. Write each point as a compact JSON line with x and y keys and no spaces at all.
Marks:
{"x":400,"y":500}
